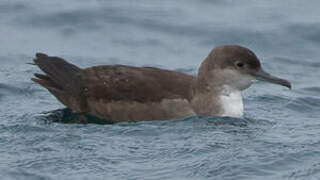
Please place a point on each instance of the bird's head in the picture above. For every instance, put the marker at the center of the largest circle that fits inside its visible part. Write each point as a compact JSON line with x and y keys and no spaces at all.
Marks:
{"x":236,"y":67}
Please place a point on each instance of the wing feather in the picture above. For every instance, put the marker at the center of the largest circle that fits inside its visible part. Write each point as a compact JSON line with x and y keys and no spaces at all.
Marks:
{"x":141,"y":84}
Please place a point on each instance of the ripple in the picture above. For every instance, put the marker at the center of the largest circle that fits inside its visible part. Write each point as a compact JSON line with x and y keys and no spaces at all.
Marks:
{"x":314,"y":89}
{"x":295,"y":62}
{"x":306,"y":31}
{"x":305,"y":172}
{"x":10,"y":89}
{"x":23,"y":174}
{"x":13,"y":7}
{"x":66,"y":116}
{"x":305,"y":104}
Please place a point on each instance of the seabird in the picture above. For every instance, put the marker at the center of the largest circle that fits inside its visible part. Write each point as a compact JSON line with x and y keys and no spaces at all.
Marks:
{"x":121,"y":93}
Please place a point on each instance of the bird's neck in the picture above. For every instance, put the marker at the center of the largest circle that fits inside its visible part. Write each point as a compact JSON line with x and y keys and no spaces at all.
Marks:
{"x":231,"y":102}
{"x":217,"y":100}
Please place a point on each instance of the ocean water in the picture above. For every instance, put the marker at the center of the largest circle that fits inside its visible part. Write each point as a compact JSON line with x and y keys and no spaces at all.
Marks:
{"x":278,"y":138}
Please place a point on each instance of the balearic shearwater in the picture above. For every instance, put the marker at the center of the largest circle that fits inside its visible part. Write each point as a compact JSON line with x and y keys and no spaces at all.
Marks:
{"x":120,"y":93}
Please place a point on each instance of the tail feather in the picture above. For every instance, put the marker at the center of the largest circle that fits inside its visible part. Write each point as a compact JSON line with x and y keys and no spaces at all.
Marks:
{"x":62,"y":74}
{"x":48,"y":84}
{"x":41,"y":76}
{"x":62,"y":79}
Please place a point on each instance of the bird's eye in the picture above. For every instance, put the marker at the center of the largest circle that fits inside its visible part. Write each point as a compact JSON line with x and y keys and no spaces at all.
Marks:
{"x":239,"y":64}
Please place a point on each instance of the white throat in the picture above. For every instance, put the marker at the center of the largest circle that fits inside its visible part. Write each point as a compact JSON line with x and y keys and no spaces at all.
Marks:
{"x":231,"y":102}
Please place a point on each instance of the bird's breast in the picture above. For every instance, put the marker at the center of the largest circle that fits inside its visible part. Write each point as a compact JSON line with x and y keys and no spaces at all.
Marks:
{"x":231,"y":104}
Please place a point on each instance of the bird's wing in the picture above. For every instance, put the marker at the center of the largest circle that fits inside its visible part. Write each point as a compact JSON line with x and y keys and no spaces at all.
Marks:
{"x":140,"y":84}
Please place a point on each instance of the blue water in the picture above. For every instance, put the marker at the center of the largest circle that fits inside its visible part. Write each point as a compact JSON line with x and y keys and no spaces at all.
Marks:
{"x":279,"y":137}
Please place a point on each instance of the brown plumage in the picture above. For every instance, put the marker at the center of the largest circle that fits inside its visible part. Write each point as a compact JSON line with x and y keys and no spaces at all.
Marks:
{"x":93,"y":89}
{"x":141,"y":84}
{"x":124,"y":93}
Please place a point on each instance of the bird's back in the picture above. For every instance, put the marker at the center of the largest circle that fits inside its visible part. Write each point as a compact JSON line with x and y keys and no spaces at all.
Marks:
{"x":141,"y":84}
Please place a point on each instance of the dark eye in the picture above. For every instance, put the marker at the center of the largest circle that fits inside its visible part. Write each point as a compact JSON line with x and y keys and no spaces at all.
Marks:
{"x":239,"y":64}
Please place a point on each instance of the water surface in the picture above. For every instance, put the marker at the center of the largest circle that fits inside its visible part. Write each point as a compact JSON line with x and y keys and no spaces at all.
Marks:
{"x":277,"y":139}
